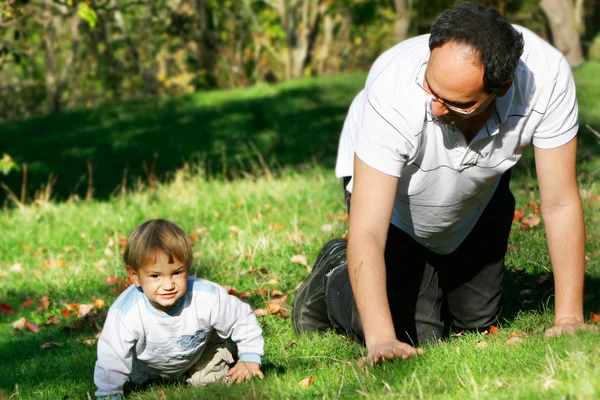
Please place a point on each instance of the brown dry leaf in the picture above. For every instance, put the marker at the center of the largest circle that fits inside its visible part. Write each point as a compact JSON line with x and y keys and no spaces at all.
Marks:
{"x":161,"y":395}
{"x":343,"y":217}
{"x":306,"y":382}
{"x":84,"y":309}
{"x":279,"y":301}
{"x":530,"y":221}
{"x":273,"y":308}
{"x":19,"y":324}
{"x":514,"y":340}
{"x":518,"y":215}
{"x":235,"y":231}
{"x":259,"y":312}
{"x":299,"y":259}
{"x":47,"y":345}
{"x":90,"y":342}
{"x":99,"y":303}
{"x":32,"y":327}
{"x":481,"y":345}
{"x":276,"y":293}
{"x":283,"y":313}
{"x":53,"y":320}
{"x":44,"y":303}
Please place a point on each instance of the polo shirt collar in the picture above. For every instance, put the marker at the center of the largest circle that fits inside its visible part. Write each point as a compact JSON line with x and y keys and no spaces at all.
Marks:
{"x":503,"y":104}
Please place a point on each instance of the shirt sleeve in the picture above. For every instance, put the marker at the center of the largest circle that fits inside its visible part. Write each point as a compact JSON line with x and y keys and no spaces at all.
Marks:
{"x":560,"y":122}
{"x":115,"y":356}
{"x":232,"y":318}
{"x":384,"y":140}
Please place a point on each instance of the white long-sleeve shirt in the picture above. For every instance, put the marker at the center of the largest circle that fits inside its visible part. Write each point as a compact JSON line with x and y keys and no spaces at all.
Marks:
{"x":141,"y":342}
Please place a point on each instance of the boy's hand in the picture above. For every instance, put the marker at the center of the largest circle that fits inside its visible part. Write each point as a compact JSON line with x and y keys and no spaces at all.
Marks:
{"x":244,"y":371}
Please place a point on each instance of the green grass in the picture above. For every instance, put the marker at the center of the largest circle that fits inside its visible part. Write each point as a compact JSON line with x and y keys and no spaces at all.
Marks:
{"x":262,"y":221}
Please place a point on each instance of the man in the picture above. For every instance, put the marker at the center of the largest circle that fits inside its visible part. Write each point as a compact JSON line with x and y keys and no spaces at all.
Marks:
{"x":428,"y":146}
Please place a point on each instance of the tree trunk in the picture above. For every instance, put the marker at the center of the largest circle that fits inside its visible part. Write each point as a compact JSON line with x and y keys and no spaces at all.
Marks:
{"x":566,"y":24}
{"x":403,"y":16}
{"x":207,"y":44}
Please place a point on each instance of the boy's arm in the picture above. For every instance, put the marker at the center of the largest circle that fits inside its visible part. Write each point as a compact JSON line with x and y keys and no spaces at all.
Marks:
{"x":115,"y":357}
{"x":233,"y":318}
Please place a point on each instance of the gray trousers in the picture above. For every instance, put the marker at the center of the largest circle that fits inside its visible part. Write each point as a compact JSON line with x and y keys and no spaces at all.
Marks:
{"x":430,"y":294}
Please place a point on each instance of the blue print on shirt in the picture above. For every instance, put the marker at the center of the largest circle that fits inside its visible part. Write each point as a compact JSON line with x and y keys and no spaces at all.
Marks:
{"x":187,"y":342}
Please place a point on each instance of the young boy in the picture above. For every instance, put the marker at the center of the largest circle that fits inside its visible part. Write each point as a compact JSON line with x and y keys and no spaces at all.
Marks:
{"x":168,"y":325}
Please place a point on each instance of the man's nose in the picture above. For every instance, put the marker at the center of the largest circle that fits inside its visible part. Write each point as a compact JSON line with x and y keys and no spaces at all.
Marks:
{"x":438,"y":109}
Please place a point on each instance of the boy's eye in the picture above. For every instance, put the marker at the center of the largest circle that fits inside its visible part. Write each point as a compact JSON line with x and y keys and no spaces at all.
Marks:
{"x":154,"y":276}
{"x":177,"y":272}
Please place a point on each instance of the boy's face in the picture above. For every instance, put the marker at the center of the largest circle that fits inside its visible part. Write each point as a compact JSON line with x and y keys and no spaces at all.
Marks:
{"x":162,"y":283}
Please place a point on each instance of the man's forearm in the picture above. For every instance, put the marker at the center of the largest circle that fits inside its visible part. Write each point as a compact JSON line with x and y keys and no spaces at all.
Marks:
{"x":566,"y":242}
{"x":366,"y":267}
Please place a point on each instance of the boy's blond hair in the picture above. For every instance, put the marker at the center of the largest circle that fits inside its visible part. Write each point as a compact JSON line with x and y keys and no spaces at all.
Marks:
{"x":157,"y":235}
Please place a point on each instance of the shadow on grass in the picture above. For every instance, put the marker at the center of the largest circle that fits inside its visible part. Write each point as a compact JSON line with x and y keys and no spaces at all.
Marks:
{"x":224,"y":131}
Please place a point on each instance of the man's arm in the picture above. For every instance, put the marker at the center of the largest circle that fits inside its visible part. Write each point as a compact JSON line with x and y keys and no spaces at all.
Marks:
{"x":563,"y":217}
{"x":373,"y":197}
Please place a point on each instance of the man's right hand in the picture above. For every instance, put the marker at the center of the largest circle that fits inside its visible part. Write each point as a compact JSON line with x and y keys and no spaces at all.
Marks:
{"x":389,"y":349}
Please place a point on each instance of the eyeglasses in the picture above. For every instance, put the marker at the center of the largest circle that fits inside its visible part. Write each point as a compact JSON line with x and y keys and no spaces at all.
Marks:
{"x":459,"y":111}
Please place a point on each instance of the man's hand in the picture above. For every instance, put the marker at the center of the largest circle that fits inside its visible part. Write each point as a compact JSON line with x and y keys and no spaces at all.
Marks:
{"x":244,"y":371}
{"x":388,"y":350}
{"x":568,"y":325}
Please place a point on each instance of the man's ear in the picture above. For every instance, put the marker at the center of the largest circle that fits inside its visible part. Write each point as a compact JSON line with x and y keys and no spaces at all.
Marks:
{"x":502,"y":90}
{"x":133,"y":276}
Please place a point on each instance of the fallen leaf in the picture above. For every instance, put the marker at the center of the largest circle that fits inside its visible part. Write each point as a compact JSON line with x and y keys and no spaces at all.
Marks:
{"x":273,"y":308}
{"x":272,"y":282}
{"x":111,"y":280}
{"x":276,"y":293}
{"x":84,"y":309}
{"x":283,"y":313}
{"x":5,"y":308}
{"x":530,"y":221}
{"x":27,"y":303}
{"x":90,"y":342}
{"x":494,"y":330}
{"x":481,"y":345}
{"x":327,"y":228}
{"x":123,"y":241}
{"x":343,"y":217}
{"x":44,"y":303}
{"x":514,"y":340}
{"x":16,"y":268}
{"x":515,"y":334}
{"x":243,"y":295}
{"x":235,"y":231}
{"x":99,"y":303}
{"x":518,"y":215}
{"x":161,"y":395}
{"x":279,"y":300}
{"x":53,"y":320}
{"x":595,"y":318}
{"x":77,"y":325}
{"x":47,"y":345}
{"x":66,"y":313}
{"x":230,"y":290}
{"x":19,"y":324}
{"x":299,"y":259}
{"x":194,"y":236}
{"x":259,"y":312}
{"x":306,"y":382}
{"x":32,"y":327}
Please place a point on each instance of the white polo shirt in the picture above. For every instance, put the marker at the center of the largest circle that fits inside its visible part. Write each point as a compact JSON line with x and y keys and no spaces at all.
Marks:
{"x":444,"y":183}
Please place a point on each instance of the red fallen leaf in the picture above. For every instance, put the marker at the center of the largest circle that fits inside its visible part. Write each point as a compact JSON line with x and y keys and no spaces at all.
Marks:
{"x":306,"y":382}
{"x":47,"y":345}
{"x":245,"y":294}
{"x":536,"y":207}
{"x":530,"y":221}
{"x":494,"y":329}
{"x":263,"y":292}
{"x":122,"y":287}
{"x":123,"y":241}
{"x":53,"y":320}
{"x":32,"y":327}
{"x":66,"y":313}
{"x":79,"y":324}
{"x":113,"y":280}
{"x":5,"y":308}
{"x":518,"y":215}
{"x":72,"y":307}
{"x":259,"y":312}
{"x":194,"y":236}
{"x":115,"y":290}
{"x":345,"y":237}
{"x":27,"y":303}
{"x":595,"y":318}
{"x":515,"y":334}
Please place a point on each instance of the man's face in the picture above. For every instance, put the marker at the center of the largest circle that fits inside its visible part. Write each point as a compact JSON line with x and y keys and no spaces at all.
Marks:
{"x":163,"y":283}
{"x":454,"y":77}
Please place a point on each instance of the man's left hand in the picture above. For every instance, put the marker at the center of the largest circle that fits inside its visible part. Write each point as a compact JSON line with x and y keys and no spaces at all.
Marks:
{"x":244,"y":371}
{"x":568,"y":325}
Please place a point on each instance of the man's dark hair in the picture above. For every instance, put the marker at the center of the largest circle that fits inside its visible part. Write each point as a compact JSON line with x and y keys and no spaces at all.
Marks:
{"x":499,"y":45}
